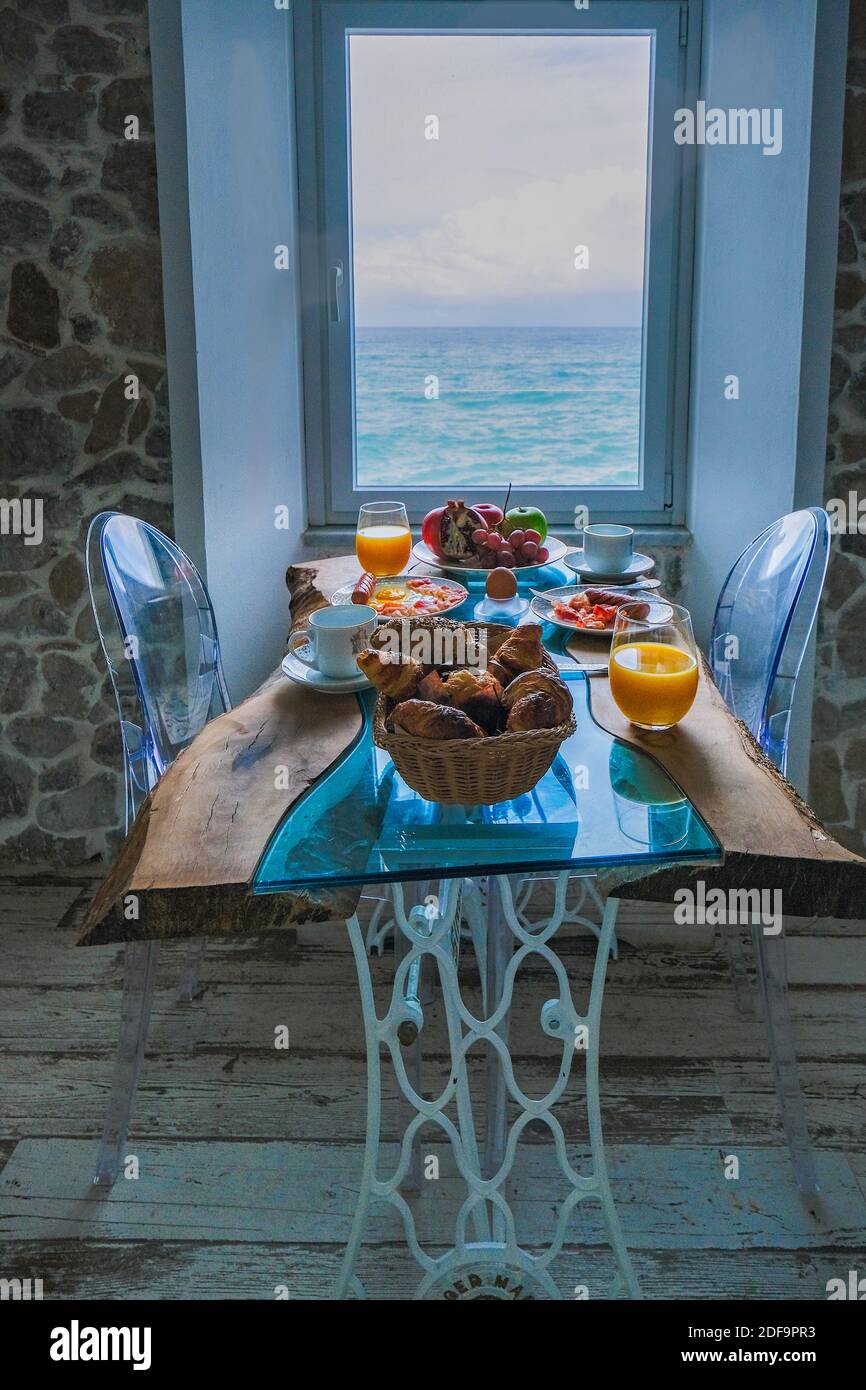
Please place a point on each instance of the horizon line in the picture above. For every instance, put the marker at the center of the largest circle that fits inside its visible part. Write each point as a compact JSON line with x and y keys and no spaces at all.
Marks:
{"x":498,"y":325}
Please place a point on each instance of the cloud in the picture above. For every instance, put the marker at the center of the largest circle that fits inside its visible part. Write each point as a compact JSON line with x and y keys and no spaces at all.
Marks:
{"x":517,"y":244}
{"x":542,"y":148}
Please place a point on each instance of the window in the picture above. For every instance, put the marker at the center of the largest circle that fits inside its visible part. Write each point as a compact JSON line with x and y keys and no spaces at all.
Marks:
{"x":497,"y":230}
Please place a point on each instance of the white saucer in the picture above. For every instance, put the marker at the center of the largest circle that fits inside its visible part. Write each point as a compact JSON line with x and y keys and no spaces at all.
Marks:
{"x":638,"y":565}
{"x":307,"y":675}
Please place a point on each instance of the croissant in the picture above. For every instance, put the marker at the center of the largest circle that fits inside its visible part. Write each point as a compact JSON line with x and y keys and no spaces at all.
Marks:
{"x":395,"y":636}
{"x":531,"y":681}
{"x":522,"y":651}
{"x":426,"y":720}
{"x":536,"y":711}
{"x":478,"y":694}
{"x":398,"y":678}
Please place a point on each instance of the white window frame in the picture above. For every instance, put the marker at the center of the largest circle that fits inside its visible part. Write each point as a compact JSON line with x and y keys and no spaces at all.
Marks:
{"x":321,"y":27}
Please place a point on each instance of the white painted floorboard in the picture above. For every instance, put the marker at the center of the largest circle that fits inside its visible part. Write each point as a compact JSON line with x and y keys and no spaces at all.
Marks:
{"x":249,"y":1159}
{"x":215,"y":1191}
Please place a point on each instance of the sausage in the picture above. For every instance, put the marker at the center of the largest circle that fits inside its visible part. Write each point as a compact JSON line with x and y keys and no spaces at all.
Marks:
{"x":612,"y":600}
{"x":363,"y":590}
{"x":606,"y":596}
{"x":639,"y":610}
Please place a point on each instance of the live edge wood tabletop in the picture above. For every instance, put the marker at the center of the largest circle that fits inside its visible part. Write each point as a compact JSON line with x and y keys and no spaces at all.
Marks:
{"x":191,"y":855}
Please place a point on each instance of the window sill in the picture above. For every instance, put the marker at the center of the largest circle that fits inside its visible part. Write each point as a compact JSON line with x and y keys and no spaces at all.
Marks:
{"x":336,"y":540}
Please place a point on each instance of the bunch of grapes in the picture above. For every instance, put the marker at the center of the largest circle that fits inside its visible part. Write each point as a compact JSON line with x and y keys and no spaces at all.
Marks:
{"x":516,"y":549}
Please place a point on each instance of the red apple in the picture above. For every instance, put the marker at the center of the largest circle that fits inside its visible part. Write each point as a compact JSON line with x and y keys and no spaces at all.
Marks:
{"x":489,"y":510}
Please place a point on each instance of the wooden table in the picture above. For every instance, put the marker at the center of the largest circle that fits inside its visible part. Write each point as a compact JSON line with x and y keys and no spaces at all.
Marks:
{"x":189,"y":868}
{"x":191,"y":856}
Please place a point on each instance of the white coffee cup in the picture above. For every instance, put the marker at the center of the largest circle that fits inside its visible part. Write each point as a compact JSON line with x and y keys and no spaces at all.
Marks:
{"x":335,"y":637}
{"x":607,"y":549}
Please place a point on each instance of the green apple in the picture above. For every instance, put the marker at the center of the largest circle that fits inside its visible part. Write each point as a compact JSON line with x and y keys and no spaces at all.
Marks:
{"x":525,"y":519}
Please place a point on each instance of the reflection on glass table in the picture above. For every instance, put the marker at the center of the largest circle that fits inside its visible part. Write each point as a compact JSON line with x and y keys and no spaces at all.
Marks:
{"x":650,"y":810}
{"x":601,"y":803}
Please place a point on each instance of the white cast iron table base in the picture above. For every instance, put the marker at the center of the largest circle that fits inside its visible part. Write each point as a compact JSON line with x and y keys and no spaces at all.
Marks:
{"x":484,"y":1258}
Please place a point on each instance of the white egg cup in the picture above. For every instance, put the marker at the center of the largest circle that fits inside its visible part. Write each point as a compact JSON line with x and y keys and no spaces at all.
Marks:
{"x":501,"y":610}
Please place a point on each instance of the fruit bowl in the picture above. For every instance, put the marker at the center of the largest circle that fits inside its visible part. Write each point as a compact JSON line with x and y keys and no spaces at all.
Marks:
{"x":482,"y":536}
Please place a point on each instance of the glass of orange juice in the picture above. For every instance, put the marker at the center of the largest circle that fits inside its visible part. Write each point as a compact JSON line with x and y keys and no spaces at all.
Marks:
{"x":653,"y":663}
{"x":383,"y":541}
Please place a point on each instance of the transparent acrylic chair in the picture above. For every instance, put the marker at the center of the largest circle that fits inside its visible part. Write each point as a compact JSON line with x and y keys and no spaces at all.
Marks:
{"x":764,"y":618}
{"x":158,"y":633}
{"x":763,"y":622}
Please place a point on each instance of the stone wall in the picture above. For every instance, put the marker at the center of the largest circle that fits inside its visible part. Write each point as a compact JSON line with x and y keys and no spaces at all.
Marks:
{"x":83,"y":404}
{"x":81,"y":312}
{"x":839,"y":725}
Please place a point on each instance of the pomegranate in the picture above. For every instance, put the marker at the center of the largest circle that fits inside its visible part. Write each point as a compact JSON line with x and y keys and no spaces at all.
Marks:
{"x":448,"y":531}
{"x":431,"y":531}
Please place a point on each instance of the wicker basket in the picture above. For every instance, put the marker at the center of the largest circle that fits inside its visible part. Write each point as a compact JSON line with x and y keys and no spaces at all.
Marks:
{"x":461,"y":771}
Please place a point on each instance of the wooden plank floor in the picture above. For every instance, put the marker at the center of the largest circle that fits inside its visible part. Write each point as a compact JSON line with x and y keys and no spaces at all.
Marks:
{"x":249,"y":1156}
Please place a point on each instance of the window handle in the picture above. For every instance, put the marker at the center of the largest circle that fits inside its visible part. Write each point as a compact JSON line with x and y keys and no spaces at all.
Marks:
{"x":335,"y":285}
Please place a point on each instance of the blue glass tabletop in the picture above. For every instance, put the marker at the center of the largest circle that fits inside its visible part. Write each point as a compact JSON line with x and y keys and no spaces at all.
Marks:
{"x":602,"y":803}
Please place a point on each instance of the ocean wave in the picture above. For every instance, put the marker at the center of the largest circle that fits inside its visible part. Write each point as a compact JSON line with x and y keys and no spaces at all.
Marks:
{"x":562,"y":405}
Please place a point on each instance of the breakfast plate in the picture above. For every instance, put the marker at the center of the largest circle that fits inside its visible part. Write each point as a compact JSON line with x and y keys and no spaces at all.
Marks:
{"x":408,"y":596}
{"x":637,"y":566}
{"x":592,"y":616}
{"x":557,"y":551}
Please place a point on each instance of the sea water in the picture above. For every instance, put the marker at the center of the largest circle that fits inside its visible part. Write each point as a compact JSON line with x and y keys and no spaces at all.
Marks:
{"x":544,"y":406}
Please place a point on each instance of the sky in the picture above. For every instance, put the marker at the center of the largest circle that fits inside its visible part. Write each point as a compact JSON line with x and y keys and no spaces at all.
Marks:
{"x":542,"y":147}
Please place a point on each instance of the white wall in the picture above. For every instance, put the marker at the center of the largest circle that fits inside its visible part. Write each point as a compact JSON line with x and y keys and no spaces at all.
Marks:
{"x":763,"y":301}
{"x":748,"y":301}
{"x":242,"y":188}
